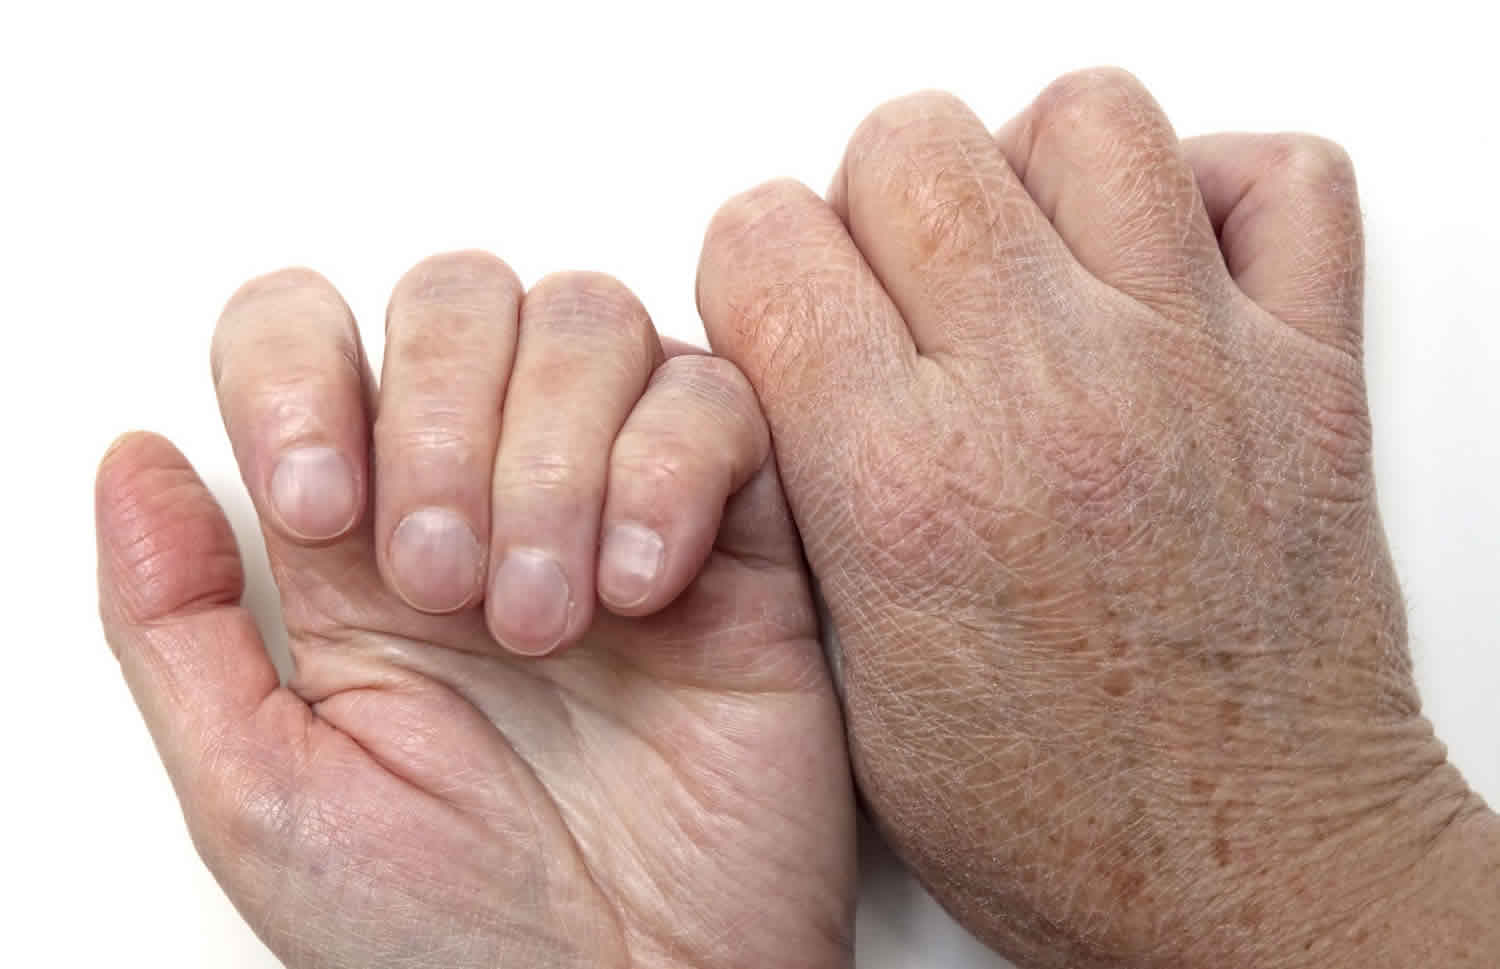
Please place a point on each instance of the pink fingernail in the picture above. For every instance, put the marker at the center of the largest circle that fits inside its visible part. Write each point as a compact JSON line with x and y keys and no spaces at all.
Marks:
{"x":630,"y":561}
{"x":530,"y":602}
{"x":435,"y":559}
{"x":313,"y":492}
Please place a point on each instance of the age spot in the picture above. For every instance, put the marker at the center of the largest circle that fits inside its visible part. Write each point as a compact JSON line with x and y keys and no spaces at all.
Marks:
{"x":1117,"y":683}
{"x":1129,"y":883}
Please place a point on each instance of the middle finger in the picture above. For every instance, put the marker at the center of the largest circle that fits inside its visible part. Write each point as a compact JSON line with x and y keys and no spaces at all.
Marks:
{"x":585,"y":353}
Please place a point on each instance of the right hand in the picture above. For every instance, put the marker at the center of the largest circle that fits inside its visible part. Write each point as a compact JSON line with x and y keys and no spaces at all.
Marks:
{"x":1073,"y":426}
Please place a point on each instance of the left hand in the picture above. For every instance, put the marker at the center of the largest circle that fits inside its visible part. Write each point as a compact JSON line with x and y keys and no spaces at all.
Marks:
{"x":671,"y":790}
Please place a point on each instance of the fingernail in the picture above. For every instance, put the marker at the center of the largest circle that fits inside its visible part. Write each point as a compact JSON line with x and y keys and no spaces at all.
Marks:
{"x":435,"y":560}
{"x":629,"y":562}
{"x":530,"y":602}
{"x":313,"y":493}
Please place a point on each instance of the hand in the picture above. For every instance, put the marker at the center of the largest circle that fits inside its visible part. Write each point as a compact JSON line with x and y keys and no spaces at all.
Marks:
{"x":1073,"y":426}
{"x":672,"y":790}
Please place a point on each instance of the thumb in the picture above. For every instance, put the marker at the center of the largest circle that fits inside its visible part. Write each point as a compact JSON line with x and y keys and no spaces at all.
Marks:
{"x":170,"y":581}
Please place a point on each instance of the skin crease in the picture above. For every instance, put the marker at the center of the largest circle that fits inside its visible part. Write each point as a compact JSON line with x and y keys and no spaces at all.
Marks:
{"x":1072,"y":422}
{"x":418,"y":796}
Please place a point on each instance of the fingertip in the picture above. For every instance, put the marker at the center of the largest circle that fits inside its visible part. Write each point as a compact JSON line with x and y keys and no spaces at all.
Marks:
{"x":164,"y":544}
{"x":134,"y":446}
{"x":120,"y":441}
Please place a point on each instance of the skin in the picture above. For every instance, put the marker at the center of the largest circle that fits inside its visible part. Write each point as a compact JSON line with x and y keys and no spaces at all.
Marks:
{"x":426,"y":790}
{"x":1071,"y":418}
{"x":1072,"y":424}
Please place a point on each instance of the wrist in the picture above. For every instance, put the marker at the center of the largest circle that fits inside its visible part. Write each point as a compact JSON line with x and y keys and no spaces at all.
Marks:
{"x":1424,"y":891}
{"x":1372,"y":876}
{"x":1445,"y":913}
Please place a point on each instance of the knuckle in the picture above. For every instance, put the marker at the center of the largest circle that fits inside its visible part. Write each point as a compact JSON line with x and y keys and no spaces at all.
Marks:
{"x":274,"y":298}
{"x":1096,"y":90}
{"x":292,"y":400}
{"x":296,"y":282}
{"x":465,"y":279}
{"x":553,"y":474}
{"x":910,"y":117}
{"x":435,"y":435}
{"x":913,"y":161}
{"x":706,"y":409}
{"x":600,"y":293}
{"x":905,"y":135}
{"x":1090,"y":100}
{"x":776,"y":261}
{"x":658,"y":468}
{"x":709,"y":378}
{"x":769,"y":215}
{"x":445,"y":307}
{"x":1314,"y":161}
{"x":591,"y":306}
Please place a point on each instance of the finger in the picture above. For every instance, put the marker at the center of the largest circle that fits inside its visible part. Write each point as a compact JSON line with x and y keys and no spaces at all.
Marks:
{"x":673,"y":347}
{"x":450,"y":341}
{"x":944,"y":222}
{"x":1287,"y":212}
{"x":170,"y":581}
{"x":787,"y":297}
{"x":291,"y":380}
{"x":584,"y":354}
{"x":694,"y":439}
{"x":1101,"y":159}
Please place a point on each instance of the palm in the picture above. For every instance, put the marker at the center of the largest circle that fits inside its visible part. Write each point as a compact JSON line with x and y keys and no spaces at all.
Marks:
{"x":670,"y":791}
{"x":651,"y":792}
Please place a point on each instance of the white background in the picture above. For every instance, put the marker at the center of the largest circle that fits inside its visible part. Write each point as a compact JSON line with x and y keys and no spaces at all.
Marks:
{"x":152,"y":157}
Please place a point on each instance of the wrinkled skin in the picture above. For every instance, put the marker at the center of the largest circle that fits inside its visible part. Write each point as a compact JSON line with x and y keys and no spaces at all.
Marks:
{"x":1072,"y":422}
{"x":672,"y":790}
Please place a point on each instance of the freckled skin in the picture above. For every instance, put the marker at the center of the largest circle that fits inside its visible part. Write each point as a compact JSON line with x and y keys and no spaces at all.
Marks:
{"x":1082,"y":468}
